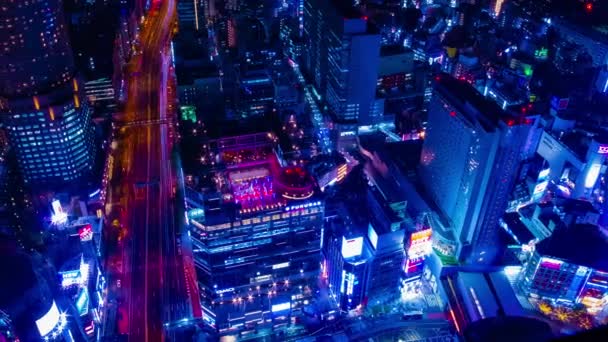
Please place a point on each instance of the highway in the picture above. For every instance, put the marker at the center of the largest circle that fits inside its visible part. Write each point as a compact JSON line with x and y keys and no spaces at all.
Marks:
{"x":156,"y":289}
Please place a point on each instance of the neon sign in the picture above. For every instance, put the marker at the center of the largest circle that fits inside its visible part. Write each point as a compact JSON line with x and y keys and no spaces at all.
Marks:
{"x":420,"y":244}
{"x":85,"y":233}
{"x":603,"y":149}
{"x":281,"y":265}
{"x":231,"y":289}
{"x":281,"y":307}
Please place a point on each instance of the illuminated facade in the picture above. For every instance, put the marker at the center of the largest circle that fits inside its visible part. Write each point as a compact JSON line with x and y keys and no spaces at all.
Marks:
{"x":559,"y":272}
{"x":368,"y":262}
{"x":346,"y":266}
{"x":256,"y":237}
{"x":52,"y":135}
{"x":469,"y":162}
{"x":419,"y":247}
{"x":42,"y":105}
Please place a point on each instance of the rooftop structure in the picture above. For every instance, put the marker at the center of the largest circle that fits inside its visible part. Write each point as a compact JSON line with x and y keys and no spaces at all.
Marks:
{"x":251,"y":179}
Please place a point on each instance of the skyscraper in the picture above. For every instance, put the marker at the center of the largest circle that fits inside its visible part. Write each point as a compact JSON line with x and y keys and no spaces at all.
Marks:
{"x":469,"y":162}
{"x":41,"y":100}
{"x":342,"y":58}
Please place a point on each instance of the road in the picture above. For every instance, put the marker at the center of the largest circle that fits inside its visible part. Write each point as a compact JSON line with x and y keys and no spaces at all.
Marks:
{"x":157,"y":290}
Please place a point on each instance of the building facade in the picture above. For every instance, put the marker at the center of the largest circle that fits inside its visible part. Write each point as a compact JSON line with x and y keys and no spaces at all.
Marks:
{"x":256,"y":237}
{"x":42,"y":104}
{"x":558,"y":272}
{"x":469,"y":163}
{"x":342,"y":58}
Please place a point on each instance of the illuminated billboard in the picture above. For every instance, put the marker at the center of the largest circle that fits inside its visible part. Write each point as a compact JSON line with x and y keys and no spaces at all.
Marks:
{"x":82,"y":302}
{"x":281,"y":265}
{"x":85,"y":233}
{"x":58,"y":216}
{"x":49,"y":321}
{"x":352,"y":247}
{"x":592,"y":175}
{"x":550,"y":263}
{"x":420,"y":244}
{"x":70,"y":278}
{"x":281,"y":307}
{"x":373,"y":236}
{"x":542,"y":175}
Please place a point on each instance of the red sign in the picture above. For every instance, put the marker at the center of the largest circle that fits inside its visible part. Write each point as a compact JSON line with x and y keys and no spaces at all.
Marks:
{"x":85,"y":233}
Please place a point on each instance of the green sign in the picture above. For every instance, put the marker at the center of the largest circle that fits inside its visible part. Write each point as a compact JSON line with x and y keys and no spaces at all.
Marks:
{"x":188,"y":113}
{"x":528,"y":70}
{"x":196,"y":213}
{"x":541,"y":53}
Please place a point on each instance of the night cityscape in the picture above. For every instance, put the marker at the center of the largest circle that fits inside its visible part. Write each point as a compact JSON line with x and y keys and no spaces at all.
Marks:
{"x":304,"y":170}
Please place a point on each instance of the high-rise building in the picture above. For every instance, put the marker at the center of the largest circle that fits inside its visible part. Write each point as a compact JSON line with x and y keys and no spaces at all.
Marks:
{"x":469,"y":162}
{"x":256,"y":236}
{"x":42,"y":103}
{"x":342,"y":58}
{"x":347,"y":266}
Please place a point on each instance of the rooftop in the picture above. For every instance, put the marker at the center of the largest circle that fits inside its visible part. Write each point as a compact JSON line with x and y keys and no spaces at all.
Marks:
{"x":463,"y":95}
{"x":250,"y":179}
{"x":594,"y":254}
{"x":324,"y":163}
{"x":517,"y":228}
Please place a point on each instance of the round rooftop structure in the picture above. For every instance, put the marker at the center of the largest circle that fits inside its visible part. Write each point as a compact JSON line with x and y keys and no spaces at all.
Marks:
{"x":295,"y":183}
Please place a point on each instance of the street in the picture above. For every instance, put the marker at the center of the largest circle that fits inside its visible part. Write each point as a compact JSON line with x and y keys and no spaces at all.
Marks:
{"x":156,"y":289}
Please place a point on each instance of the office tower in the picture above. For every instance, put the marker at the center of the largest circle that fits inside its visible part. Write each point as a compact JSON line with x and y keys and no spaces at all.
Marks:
{"x":469,"y":162}
{"x":342,"y":57}
{"x":41,"y":101}
{"x":255,"y":235}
